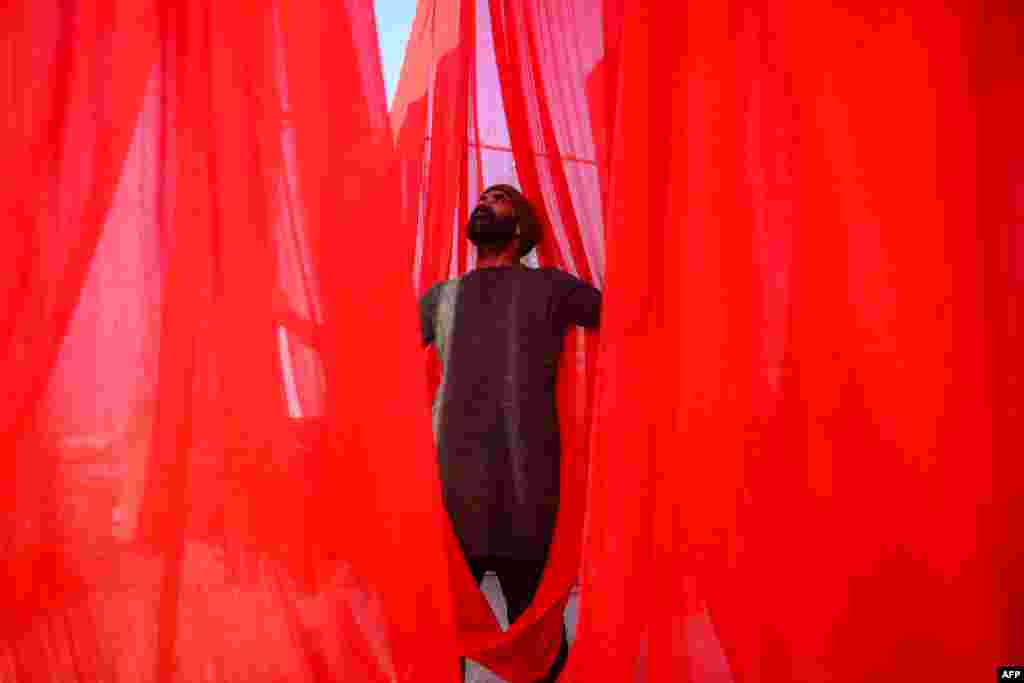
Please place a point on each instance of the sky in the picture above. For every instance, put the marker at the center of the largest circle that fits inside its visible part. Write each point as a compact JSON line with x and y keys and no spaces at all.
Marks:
{"x":394,"y":21}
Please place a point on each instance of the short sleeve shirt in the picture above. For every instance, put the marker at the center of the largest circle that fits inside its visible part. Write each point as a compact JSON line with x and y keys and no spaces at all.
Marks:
{"x":499,"y":334}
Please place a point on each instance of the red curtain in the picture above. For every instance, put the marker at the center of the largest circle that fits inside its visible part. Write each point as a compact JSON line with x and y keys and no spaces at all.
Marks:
{"x":808,"y":398}
{"x":521,"y":93}
{"x":792,"y":453}
{"x":200,"y":433}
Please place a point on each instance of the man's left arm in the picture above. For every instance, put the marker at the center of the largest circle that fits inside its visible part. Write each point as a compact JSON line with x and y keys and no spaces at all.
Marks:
{"x":428,"y":306}
{"x":581,"y":305}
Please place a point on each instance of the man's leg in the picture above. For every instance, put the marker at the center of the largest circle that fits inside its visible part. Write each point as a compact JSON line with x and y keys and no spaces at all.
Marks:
{"x":477,"y":567}
{"x":519,"y":583}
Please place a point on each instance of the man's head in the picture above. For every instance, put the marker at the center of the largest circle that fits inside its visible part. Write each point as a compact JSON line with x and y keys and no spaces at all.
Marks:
{"x":504,"y":215}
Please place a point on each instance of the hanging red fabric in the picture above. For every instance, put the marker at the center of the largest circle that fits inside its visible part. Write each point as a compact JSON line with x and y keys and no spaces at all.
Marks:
{"x":803,"y":455}
{"x":491,"y":93}
{"x":199,"y":425}
{"x":809,"y":345}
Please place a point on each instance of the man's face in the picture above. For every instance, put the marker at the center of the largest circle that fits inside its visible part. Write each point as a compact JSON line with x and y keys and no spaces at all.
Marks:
{"x":498,"y":202}
{"x":493,"y":221}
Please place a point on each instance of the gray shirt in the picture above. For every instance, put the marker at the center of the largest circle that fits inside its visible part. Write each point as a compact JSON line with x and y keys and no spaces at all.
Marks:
{"x":499,"y":334}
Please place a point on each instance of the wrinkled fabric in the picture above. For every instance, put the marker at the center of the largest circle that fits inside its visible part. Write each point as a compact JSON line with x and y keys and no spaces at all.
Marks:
{"x":791,"y":455}
{"x":804,"y":417}
{"x":182,"y":455}
{"x":491,"y":93}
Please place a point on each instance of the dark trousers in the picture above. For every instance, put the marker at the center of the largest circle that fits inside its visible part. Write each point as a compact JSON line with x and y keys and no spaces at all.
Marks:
{"x":519,"y":581}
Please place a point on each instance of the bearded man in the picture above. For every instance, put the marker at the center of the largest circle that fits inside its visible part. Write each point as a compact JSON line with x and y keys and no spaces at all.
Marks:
{"x":498,"y":331}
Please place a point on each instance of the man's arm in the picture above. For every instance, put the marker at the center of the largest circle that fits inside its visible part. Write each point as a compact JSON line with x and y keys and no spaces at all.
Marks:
{"x":428,"y":306}
{"x":580,"y":304}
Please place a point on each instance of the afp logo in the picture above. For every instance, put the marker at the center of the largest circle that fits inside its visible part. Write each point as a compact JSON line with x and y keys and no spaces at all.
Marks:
{"x":1010,"y":673}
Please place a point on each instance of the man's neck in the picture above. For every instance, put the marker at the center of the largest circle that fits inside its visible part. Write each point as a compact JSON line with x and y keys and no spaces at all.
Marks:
{"x":507,"y":257}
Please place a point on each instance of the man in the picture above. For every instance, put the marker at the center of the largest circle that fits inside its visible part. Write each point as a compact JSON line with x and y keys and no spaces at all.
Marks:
{"x":499,"y":331}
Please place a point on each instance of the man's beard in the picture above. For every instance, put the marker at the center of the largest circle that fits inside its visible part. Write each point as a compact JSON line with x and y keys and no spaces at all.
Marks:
{"x":488,"y":231}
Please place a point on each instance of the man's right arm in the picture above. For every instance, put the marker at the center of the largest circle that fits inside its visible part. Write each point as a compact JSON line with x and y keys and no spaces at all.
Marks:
{"x":580,"y":303}
{"x":428,"y":307}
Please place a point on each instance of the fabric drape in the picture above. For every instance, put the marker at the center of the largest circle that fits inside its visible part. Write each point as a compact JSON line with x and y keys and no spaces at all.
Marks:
{"x":791,"y":453}
{"x":813,"y":284}
{"x":199,"y":421}
{"x":509,"y":92}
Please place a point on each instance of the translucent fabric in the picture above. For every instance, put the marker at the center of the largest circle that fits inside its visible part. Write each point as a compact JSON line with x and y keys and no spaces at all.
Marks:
{"x":511,"y":92}
{"x":201,"y":428}
{"x":807,"y":398}
{"x":796,"y":434}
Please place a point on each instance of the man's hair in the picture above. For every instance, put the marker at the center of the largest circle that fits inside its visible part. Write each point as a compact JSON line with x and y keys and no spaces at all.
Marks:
{"x":530,"y":232}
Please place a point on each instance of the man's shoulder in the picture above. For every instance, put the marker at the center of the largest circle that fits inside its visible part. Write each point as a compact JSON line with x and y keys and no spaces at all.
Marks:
{"x":559,"y":277}
{"x":435,"y":291}
{"x":551,"y":272}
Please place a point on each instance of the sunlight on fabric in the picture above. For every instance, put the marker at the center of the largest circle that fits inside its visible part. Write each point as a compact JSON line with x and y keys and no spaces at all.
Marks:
{"x":291,"y":390}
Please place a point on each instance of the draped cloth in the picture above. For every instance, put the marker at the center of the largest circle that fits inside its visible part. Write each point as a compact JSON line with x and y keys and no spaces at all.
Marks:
{"x":520,"y":93}
{"x":797,"y":434}
{"x":199,"y":416}
{"x":813,"y":288}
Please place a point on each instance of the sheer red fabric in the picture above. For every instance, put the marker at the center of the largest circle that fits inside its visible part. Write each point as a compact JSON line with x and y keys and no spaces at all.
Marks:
{"x":805,"y":362}
{"x":511,"y":92}
{"x":792,"y":455}
{"x":200,"y":429}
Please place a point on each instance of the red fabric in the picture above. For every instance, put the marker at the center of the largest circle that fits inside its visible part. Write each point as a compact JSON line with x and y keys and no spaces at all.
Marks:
{"x":804,"y":440}
{"x":200,"y":434}
{"x":494,"y":92}
{"x":805,"y":373}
